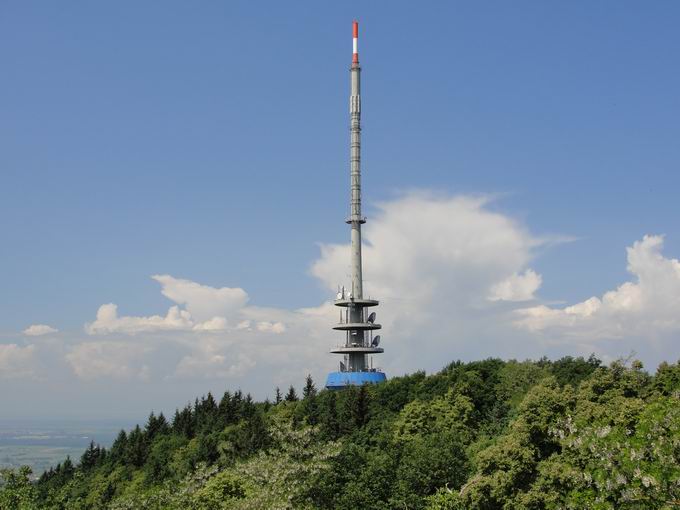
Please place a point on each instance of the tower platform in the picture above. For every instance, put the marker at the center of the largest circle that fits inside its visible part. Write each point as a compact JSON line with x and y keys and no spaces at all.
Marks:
{"x":360,"y":349}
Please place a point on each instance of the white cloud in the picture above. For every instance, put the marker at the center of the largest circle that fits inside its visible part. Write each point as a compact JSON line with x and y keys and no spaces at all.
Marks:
{"x":271,"y":327}
{"x":201,"y":301}
{"x":517,"y":287}
{"x":420,"y":245}
{"x":121,"y":360}
{"x":434,"y":263}
{"x":108,"y":321}
{"x":646,"y":307}
{"x":453,"y":277}
{"x":214,"y":324}
{"x":39,"y":330}
{"x":16,"y":361}
{"x":199,"y":308}
{"x":211,"y":360}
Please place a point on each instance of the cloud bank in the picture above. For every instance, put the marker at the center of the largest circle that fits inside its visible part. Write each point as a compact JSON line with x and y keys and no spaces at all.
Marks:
{"x":455,"y":281}
{"x":648,"y":306}
{"x":17,"y":361}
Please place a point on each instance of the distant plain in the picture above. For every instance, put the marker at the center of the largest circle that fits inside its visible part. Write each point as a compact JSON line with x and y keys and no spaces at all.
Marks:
{"x":42,"y":445}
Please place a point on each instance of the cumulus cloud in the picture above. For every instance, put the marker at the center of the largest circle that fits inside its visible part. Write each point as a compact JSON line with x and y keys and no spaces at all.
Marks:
{"x":517,"y":287}
{"x":271,"y":327}
{"x":453,"y":276}
{"x":92,"y":360}
{"x":435,"y":262}
{"x":201,"y":301}
{"x":647,"y":306}
{"x":199,"y":308}
{"x":210,"y":359}
{"x":108,"y":321}
{"x":39,"y":330}
{"x":16,"y":361}
{"x":214,"y":324}
{"x":421,"y":245}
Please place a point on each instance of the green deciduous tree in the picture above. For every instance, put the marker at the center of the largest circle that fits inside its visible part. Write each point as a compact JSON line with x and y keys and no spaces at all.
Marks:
{"x":16,"y":490}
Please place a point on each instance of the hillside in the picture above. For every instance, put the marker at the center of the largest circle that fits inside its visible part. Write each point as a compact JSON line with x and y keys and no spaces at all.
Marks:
{"x":482,"y":435}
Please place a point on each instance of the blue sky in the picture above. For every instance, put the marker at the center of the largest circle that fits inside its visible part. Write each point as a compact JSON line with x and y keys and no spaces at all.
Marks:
{"x":208,"y":141}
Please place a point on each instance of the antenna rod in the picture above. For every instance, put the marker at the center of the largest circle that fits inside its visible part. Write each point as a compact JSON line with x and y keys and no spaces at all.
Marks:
{"x":355,"y":219}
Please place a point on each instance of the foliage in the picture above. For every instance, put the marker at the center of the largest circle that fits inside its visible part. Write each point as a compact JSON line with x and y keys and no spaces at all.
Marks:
{"x":490,"y":434}
{"x":16,"y":491}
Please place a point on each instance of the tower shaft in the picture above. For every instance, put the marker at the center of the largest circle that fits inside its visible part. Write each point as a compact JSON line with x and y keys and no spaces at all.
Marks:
{"x":357,"y":325}
{"x":355,"y":218}
{"x":357,"y":361}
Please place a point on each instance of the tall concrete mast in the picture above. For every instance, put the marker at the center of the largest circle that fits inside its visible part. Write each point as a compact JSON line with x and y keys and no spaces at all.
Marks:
{"x":358,"y":327}
{"x":355,"y":219}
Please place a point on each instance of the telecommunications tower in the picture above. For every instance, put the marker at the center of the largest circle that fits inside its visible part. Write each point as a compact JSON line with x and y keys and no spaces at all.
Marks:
{"x":358,"y":326}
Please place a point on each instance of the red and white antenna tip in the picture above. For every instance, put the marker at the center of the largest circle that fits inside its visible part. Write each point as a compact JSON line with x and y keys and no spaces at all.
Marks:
{"x":355,"y":41}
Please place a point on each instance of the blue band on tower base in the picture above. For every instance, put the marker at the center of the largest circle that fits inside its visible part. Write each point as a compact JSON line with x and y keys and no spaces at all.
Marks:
{"x":339,"y":380}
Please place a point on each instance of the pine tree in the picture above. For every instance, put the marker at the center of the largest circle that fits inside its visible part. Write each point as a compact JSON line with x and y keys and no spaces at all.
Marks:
{"x":183,"y":422}
{"x":361,"y":407}
{"x":248,"y":408}
{"x":309,"y":390}
{"x":162,"y":424}
{"x":291,"y":396}
{"x":331,"y":424}
{"x":90,"y":457}
{"x":67,"y":469}
{"x":224,"y":408}
{"x":311,"y":407}
{"x":278,"y":398}
{"x":151,"y":426}
{"x":119,"y":447}
{"x":236,"y":406}
{"x":136,"y":452}
{"x":347,"y":412}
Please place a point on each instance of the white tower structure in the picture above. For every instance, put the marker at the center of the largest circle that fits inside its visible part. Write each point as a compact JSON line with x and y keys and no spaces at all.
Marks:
{"x":355,"y":321}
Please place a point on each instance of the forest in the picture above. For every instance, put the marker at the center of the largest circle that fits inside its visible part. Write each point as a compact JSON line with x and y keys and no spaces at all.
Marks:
{"x":492,"y":434}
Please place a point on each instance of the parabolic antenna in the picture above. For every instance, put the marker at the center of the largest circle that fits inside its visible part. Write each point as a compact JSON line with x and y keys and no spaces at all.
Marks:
{"x":376,"y":341}
{"x":371,"y":318}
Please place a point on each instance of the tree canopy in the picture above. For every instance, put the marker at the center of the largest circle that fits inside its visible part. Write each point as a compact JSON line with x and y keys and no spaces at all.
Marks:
{"x":491,"y":434}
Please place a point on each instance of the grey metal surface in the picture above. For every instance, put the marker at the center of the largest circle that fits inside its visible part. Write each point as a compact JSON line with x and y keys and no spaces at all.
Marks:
{"x":358,"y":302}
{"x":356,"y":326}
{"x":358,"y":343}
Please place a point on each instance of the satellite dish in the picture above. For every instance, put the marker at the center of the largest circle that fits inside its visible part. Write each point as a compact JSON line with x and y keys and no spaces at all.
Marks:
{"x":339,"y":296}
{"x":376,"y":341}
{"x":342,"y":367}
{"x":371,"y":318}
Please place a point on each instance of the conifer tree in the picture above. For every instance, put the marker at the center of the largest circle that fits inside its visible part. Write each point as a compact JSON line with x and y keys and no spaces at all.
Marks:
{"x":90,"y":457}
{"x":291,"y":396}
{"x":310,"y":389}
{"x":311,"y":408}
{"x":360,"y":414}
{"x":277,"y":398}
{"x":67,"y":469}
{"x":224,"y":408}
{"x":119,"y":447}
{"x":331,"y":423}
{"x":136,"y":452}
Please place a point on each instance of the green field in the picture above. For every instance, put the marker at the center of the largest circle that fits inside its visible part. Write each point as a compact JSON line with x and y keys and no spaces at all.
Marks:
{"x":39,"y":457}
